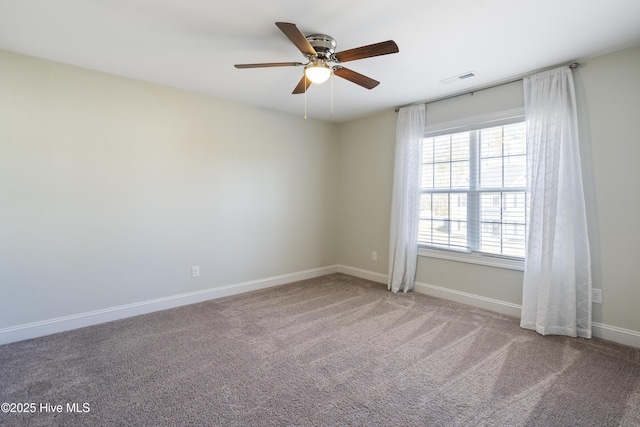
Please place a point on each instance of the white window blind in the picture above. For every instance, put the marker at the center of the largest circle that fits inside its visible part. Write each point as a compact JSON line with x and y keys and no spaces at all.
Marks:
{"x":474,"y":189}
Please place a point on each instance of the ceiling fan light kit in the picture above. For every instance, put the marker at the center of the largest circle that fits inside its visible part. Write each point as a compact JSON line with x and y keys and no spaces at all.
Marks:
{"x":319,"y":49}
{"x":318,"y":71}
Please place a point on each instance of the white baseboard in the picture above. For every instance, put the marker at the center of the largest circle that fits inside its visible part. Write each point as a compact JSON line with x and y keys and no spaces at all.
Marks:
{"x":613,"y":333}
{"x":440,"y":292}
{"x":599,"y":330}
{"x":469,"y":299}
{"x":66,"y":323}
{"x":363,"y":274}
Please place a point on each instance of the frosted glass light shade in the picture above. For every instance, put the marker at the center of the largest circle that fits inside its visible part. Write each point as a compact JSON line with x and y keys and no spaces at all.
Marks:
{"x":318,"y":73}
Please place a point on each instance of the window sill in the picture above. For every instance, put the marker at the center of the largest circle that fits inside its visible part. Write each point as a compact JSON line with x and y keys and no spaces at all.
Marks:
{"x":472,"y":258}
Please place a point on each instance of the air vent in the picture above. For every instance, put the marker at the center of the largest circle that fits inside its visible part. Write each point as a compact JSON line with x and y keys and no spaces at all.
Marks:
{"x":458,"y":78}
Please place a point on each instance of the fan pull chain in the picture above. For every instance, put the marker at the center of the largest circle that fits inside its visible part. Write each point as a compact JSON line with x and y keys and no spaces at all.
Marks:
{"x":332,"y":94}
{"x":305,"y":98}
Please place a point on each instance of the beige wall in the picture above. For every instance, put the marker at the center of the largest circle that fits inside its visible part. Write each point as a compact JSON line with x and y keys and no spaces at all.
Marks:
{"x":366,"y":162}
{"x":608,"y":95}
{"x":111,"y":189}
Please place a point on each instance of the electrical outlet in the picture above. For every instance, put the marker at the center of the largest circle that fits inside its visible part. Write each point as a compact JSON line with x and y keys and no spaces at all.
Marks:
{"x":374,"y":256}
{"x":596,"y":296}
{"x":195,"y":271}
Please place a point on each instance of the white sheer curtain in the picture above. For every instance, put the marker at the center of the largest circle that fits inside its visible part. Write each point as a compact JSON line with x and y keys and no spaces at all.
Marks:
{"x":556,"y":296}
{"x":405,"y":203}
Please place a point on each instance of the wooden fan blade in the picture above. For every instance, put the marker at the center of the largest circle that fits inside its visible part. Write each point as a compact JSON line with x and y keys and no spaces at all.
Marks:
{"x":296,"y":37}
{"x":377,"y":49}
{"x":357,"y":78}
{"x":303,"y":84}
{"x":270,"y":64}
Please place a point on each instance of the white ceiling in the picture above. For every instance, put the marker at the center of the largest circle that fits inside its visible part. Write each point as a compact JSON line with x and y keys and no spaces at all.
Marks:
{"x":193,"y":44}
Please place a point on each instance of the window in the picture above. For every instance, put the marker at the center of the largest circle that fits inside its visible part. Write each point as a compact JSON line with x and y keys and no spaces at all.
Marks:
{"x":473,"y":185}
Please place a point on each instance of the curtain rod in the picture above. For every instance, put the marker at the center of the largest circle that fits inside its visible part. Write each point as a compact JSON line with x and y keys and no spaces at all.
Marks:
{"x":573,"y":65}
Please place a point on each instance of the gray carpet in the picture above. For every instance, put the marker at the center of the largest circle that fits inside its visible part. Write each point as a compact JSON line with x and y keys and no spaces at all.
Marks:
{"x":331,"y":351}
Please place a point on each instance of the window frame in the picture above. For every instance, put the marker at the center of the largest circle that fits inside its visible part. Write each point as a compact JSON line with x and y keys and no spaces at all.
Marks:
{"x":470,"y":124}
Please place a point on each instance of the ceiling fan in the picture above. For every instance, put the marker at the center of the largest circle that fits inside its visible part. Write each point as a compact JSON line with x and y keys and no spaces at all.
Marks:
{"x":319,"y":49}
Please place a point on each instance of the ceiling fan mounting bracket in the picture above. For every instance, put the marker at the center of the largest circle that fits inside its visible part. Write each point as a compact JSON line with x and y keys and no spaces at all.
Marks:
{"x":325,"y":46}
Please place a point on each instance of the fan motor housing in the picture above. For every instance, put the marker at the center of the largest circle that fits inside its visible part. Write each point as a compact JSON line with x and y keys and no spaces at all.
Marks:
{"x":324,"y":45}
